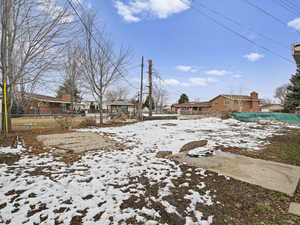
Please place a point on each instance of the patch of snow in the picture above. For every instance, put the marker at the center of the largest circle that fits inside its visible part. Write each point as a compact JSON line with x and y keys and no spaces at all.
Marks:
{"x":6,"y":150}
{"x":101,"y":182}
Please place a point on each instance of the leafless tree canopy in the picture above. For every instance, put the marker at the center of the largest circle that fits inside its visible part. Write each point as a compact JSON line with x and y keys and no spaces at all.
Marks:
{"x":101,"y":66}
{"x":72,"y":73}
{"x":33,"y":37}
{"x":280,"y":93}
{"x":160,"y":94}
{"x":117,"y":94}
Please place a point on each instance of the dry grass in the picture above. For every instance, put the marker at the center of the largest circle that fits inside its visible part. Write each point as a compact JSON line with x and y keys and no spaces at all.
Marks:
{"x":40,"y":123}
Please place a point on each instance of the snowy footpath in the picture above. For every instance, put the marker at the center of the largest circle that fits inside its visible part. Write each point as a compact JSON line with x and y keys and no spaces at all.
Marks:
{"x":122,"y":187}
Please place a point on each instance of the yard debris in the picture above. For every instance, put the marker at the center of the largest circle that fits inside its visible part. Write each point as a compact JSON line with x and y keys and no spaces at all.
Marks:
{"x":169,"y":124}
{"x":119,"y":117}
{"x":200,"y":152}
{"x":192,"y":145}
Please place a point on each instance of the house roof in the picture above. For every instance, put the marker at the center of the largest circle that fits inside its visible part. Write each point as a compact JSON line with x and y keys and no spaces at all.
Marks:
{"x":45,"y":98}
{"x":192,"y":104}
{"x":120,"y":103}
{"x":236,"y":97}
{"x":270,"y":105}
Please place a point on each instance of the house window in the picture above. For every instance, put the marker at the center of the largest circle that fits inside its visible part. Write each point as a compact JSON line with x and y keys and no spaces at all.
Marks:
{"x":226,"y":102}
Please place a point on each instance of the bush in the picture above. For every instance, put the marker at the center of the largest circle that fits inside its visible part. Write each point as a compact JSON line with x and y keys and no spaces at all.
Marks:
{"x":64,"y":122}
{"x":88,"y":123}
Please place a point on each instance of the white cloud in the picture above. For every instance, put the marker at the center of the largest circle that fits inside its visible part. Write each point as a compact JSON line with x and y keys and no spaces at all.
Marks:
{"x":201,"y":81}
{"x":253,"y":56}
{"x":295,"y":24}
{"x":192,"y":81}
{"x":171,"y":82}
{"x":184,"y":68}
{"x":217,"y":72}
{"x":135,"y":9}
{"x":126,"y":12}
{"x":237,"y":75}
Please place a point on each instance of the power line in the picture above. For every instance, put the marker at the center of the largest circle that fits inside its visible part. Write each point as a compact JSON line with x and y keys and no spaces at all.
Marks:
{"x":241,"y":25}
{"x":96,"y":41}
{"x":266,"y":13}
{"x":164,"y":81}
{"x":292,"y":4}
{"x":237,"y":33}
{"x":289,"y":7}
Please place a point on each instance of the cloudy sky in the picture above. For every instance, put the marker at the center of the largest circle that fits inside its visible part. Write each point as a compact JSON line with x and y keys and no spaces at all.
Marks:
{"x":207,"y":47}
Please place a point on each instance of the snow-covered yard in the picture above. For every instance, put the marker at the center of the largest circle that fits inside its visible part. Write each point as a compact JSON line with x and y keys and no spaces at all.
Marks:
{"x":122,"y":187}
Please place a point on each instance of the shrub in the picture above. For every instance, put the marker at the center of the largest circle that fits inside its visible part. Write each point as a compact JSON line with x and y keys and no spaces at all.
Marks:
{"x":88,"y":123}
{"x":64,"y":122}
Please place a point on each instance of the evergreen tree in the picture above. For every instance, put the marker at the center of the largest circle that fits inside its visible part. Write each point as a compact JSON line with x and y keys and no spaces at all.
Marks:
{"x":67,"y":88}
{"x":147,"y":103}
{"x":183,"y":99}
{"x":292,"y":99}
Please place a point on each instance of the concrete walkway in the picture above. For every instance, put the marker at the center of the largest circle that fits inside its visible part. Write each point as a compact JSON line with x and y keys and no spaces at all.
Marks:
{"x":271,"y":175}
{"x":294,"y":208}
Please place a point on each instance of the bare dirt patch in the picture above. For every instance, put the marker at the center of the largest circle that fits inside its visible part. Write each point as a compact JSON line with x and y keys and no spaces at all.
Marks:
{"x":9,"y":159}
{"x":78,"y":142}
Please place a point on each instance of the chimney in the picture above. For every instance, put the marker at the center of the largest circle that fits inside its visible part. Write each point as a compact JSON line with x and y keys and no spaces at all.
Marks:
{"x":254,"y":95}
{"x":65,"y":97}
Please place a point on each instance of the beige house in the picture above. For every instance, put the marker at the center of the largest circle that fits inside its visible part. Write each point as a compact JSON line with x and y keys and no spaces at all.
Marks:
{"x":272,"y":108}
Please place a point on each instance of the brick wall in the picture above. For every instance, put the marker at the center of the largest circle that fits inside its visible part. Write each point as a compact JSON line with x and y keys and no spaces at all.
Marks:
{"x":33,"y":107}
{"x":224,"y":104}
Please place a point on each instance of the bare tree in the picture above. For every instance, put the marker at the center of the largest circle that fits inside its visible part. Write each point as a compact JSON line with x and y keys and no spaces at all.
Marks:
{"x":280,"y":93}
{"x":33,"y":35}
{"x":160,"y":95}
{"x":119,"y":93}
{"x":101,"y":66}
{"x":267,"y":101}
{"x":72,"y":75}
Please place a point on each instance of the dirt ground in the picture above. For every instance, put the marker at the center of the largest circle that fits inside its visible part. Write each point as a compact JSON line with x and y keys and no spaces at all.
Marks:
{"x":239,"y":203}
{"x":24,"y":123}
{"x":79,"y":142}
{"x":29,"y":136}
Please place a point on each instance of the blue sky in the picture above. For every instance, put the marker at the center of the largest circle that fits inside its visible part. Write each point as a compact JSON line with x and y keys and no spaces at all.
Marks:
{"x":196,"y":56}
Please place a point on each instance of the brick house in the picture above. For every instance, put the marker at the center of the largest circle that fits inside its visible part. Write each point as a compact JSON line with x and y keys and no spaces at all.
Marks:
{"x":222,"y":103}
{"x":42,"y":104}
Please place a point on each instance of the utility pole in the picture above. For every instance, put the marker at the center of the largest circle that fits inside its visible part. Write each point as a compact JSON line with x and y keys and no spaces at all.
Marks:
{"x":6,"y":17}
{"x":150,"y":87}
{"x":141,"y":90}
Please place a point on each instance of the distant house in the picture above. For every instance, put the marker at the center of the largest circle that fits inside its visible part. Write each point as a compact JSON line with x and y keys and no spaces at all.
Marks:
{"x":191,"y":107}
{"x":272,"y":108}
{"x":43,"y":104}
{"x":121,"y":106}
{"x":91,"y":106}
{"x":222,"y":103}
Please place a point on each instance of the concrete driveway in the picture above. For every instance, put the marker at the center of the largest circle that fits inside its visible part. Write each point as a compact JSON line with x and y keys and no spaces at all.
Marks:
{"x":271,"y":175}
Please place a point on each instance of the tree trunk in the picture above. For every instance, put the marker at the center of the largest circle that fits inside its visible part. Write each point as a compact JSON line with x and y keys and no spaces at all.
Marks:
{"x":101,"y":109}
